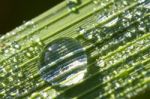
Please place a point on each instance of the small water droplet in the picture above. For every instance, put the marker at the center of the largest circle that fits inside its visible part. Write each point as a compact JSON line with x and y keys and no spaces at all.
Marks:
{"x":125,"y":2}
{"x":72,"y":5}
{"x":112,"y":23}
{"x":147,"y":5}
{"x":125,"y":23}
{"x":88,"y":36}
{"x":141,"y":27}
{"x":14,"y":92}
{"x":28,"y":55}
{"x":29,"y":23}
{"x":63,"y":62}
{"x":95,"y":1}
{"x":141,"y":1}
{"x":15,"y":45}
{"x":6,"y":51}
{"x":2,"y":37}
{"x":100,"y":63}
{"x":13,"y":33}
{"x":8,"y":34}
{"x":81,"y":30}
{"x":128,"y":34}
{"x":128,"y":15}
{"x":117,"y":85}
{"x":101,"y":18}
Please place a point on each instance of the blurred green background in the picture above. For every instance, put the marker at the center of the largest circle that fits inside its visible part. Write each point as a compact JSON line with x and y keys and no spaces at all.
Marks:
{"x":14,"y":12}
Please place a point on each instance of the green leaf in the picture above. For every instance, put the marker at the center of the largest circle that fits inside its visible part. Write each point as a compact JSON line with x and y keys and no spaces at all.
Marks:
{"x":114,"y":34}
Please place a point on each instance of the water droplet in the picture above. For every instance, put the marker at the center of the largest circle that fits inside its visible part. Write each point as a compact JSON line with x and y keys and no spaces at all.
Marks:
{"x":63,"y":62}
{"x":14,"y":92}
{"x":29,"y":23}
{"x":138,"y":13}
{"x":13,"y":33}
{"x":128,"y":15}
{"x":147,"y":5}
{"x":28,"y":55}
{"x":112,"y":23}
{"x":125,"y":23}
{"x":141,"y":1}
{"x":15,"y":45}
{"x":95,"y":1}
{"x":100,"y":63}
{"x":2,"y":37}
{"x":117,"y":85}
{"x":128,"y":34}
{"x":141,"y":27}
{"x":44,"y":94}
{"x":101,"y":18}
{"x":88,"y":36}
{"x":81,"y":30}
{"x":6,"y":51}
{"x":72,"y":5}
{"x":125,"y":2}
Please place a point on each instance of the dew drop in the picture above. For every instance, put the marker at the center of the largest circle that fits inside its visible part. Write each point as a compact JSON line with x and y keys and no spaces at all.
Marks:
{"x":128,"y":15}
{"x":125,"y":2}
{"x":2,"y":37}
{"x":6,"y":51}
{"x":117,"y":85}
{"x":141,"y":1}
{"x":63,"y":62}
{"x":15,"y":45}
{"x":72,"y":5}
{"x":147,"y":5}
{"x":29,"y":23}
{"x":13,"y":33}
{"x":95,"y":1}
{"x":88,"y":36}
{"x":100,"y":63}
{"x":28,"y":55}
{"x":112,"y":23}
{"x":81,"y":30}
{"x":101,"y":18}
{"x":141,"y":27}
{"x":128,"y":34}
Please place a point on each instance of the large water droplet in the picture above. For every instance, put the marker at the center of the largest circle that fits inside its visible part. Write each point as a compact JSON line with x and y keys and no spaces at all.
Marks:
{"x":63,"y":62}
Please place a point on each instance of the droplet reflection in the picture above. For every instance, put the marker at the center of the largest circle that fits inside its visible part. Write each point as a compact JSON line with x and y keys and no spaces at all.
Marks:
{"x":63,"y":62}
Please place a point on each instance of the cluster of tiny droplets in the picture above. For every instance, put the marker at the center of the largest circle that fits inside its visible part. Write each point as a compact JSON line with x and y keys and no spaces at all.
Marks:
{"x":139,"y":28}
{"x":122,"y":22}
{"x":124,"y":19}
{"x":12,"y":68}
